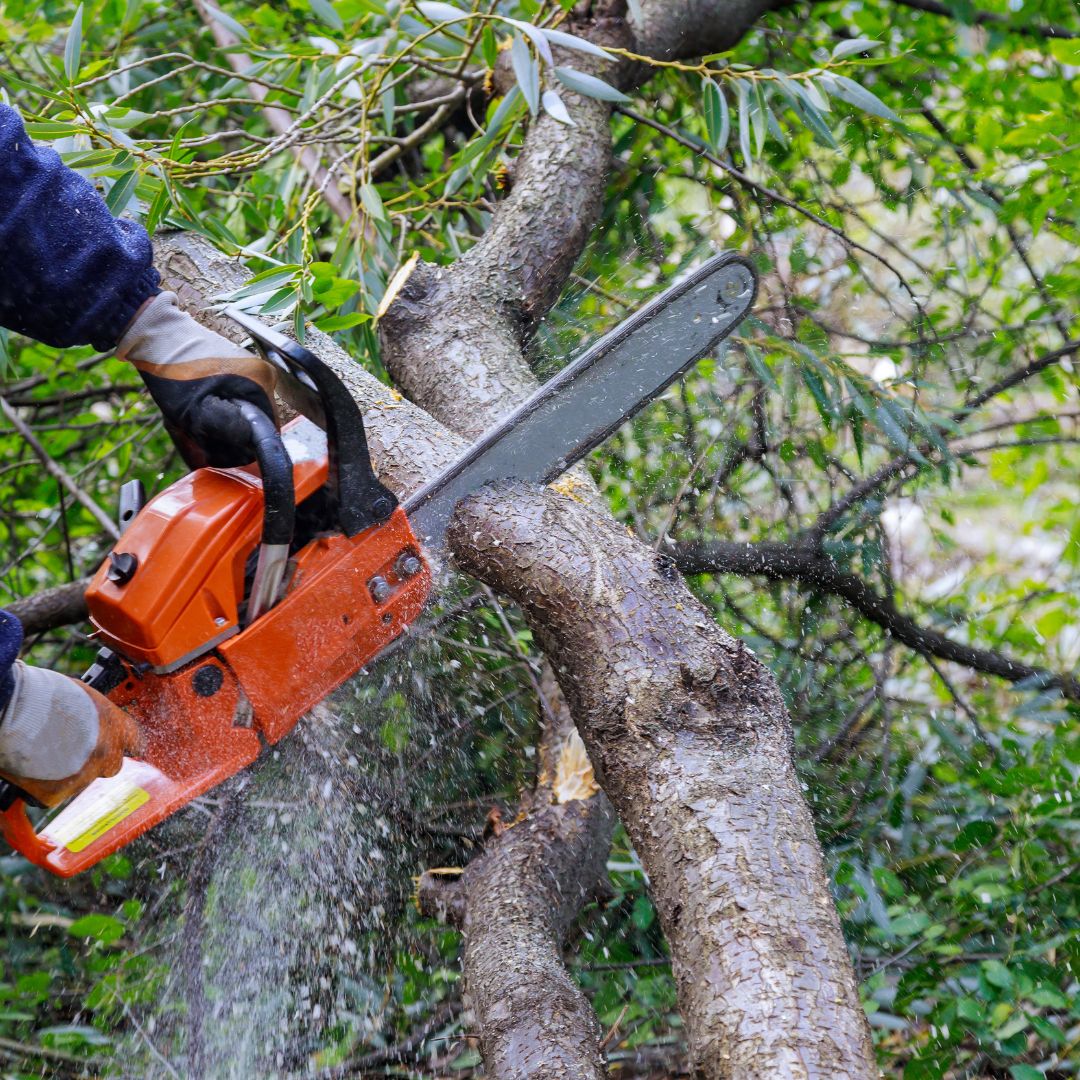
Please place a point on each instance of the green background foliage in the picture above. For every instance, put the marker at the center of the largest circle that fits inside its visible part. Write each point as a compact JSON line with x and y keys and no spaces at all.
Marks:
{"x":905,"y":182}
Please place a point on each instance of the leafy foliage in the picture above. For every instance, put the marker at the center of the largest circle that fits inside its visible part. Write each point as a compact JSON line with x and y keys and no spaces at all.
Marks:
{"x":905,"y":182}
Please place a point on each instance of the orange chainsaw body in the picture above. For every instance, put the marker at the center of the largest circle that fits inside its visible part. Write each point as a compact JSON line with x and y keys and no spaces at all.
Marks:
{"x":208,"y":695}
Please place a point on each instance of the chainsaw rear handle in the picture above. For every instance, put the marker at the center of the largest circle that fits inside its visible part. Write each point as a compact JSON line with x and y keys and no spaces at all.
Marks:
{"x":357,"y":498}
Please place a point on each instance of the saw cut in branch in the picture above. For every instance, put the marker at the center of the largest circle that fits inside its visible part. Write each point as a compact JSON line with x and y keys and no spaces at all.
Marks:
{"x":690,"y":738}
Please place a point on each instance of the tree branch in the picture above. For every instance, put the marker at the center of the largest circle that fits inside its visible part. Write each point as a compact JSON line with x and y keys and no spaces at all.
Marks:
{"x":691,"y":742}
{"x":805,"y":563}
{"x":991,"y":18}
{"x":61,"y":605}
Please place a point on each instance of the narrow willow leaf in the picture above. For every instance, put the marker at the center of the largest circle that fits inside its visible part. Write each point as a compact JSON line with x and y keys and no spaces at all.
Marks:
{"x":372,"y":202}
{"x":814,"y":95}
{"x":73,"y":46}
{"x":855,"y":45}
{"x":589,"y":85}
{"x":324,"y":10}
{"x":850,"y":91}
{"x":489,"y":47}
{"x":387,"y":99}
{"x":570,"y":41}
{"x":282,"y":300}
{"x":227,"y":21}
{"x":744,"y":121}
{"x":527,"y":73}
{"x":761,"y":369}
{"x":717,"y":115}
{"x":757,"y":118}
{"x":441,"y":13}
{"x":890,"y":421}
{"x":635,"y":10}
{"x":342,"y":322}
{"x":540,"y":43}
{"x":775,"y":130}
{"x":806,"y":111}
{"x":121,"y":191}
{"x":265,"y":282}
{"x":555,"y":107}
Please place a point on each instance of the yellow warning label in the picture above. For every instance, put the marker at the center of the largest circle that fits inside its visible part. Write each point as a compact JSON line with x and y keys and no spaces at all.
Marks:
{"x":131,"y":801}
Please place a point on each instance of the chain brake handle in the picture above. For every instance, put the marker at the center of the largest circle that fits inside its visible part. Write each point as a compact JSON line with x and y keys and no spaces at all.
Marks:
{"x":356,"y":496}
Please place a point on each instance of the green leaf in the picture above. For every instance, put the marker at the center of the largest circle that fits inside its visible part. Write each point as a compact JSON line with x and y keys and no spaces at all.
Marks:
{"x":121,"y":191}
{"x":743,"y":93}
{"x":570,"y":41}
{"x":997,"y":974}
{"x":228,"y":22}
{"x":717,"y":115}
{"x":540,"y":43}
{"x":325,"y":12}
{"x":555,"y":107}
{"x":643,"y":914}
{"x":372,"y":202}
{"x":489,"y":46}
{"x":265,"y":281}
{"x":103,"y":928}
{"x":974,"y":834}
{"x":589,"y":85}
{"x":73,"y":46}
{"x":527,"y":73}
{"x":850,"y":91}
{"x":855,"y":45}
{"x":342,"y":322}
{"x":758,"y":118}
{"x":441,"y":13}
{"x":1026,"y":1072}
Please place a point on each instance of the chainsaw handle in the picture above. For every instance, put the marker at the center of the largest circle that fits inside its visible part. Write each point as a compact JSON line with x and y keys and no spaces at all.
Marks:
{"x":19,"y":833}
{"x":359,"y":500}
{"x":275,"y":467}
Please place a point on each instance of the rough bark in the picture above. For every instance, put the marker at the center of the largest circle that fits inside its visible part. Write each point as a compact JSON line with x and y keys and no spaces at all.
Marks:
{"x":61,"y":605}
{"x":521,"y":897}
{"x":691,"y":742}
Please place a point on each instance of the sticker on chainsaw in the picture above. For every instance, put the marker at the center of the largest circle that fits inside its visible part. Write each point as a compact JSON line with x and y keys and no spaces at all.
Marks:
{"x":116,"y":801}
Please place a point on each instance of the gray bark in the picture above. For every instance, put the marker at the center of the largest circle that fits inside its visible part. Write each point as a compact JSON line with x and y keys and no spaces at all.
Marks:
{"x":691,"y":741}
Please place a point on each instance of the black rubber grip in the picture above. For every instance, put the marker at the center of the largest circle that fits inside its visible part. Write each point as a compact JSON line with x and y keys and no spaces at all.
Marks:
{"x":279,"y":495}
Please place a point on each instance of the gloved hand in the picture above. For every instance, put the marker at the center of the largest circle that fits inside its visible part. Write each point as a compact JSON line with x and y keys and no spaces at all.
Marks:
{"x":57,"y":735}
{"x":198,"y":380}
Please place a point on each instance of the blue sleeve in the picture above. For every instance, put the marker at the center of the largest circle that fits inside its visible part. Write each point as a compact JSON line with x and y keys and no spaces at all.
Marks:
{"x":70,"y":273}
{"x":11,"y":636}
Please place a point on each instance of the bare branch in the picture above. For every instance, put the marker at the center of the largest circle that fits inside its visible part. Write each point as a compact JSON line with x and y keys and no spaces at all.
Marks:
{"x":805,"y":563}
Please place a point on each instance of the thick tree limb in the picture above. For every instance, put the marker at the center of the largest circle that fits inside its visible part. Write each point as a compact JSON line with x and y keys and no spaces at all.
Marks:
{"x":61,"y":605}
{"x":521,"y":897}
{"x":692,"y":744}
{"x":453,"y":342}
{"x":805,"y":563}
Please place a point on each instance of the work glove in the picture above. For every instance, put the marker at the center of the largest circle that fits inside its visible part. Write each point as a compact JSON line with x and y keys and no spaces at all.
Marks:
{"x":57,"y":735}
{"x":199,"y":381}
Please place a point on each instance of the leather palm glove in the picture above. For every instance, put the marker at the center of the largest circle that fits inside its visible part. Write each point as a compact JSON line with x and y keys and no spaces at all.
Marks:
{"x":198,"y":380}
{"x":57,"y":735}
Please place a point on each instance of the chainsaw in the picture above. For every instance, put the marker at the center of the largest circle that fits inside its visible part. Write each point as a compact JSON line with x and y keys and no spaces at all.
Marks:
{"x":237,"y":599}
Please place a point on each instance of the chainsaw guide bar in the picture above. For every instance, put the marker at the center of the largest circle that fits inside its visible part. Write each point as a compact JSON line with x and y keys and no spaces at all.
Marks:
{"x":237,"y":599}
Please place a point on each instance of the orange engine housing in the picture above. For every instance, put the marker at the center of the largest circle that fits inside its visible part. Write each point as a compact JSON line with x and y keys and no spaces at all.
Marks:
{"x":207,"y":694}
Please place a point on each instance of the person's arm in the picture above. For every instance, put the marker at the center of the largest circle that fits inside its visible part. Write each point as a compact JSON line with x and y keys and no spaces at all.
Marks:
{"x":70,"y":273}
{"x":56,"y":734}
